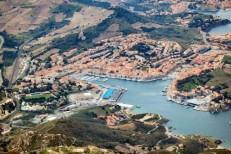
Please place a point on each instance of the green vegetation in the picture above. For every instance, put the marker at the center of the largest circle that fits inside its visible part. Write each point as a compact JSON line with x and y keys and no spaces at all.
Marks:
{"x":182,"y":35}
{"x":161,"y":152}
{"x":141,"y":47}
{"x":96,"y":133}
{"x":217,"y":78}
{"x":67,"y":9}
{"x":227,"y":59}
{"x":138,"y":116}
{"x":217,"y":151}
{"x":39,"y":96}
{"x":206,"y":22}
{"x":192,"y":82}
{"x":93,"y":3}
{"x":221,"y":81}
{"x":47,"y":27}
{"x":11,"y":41}
{"x":2,"y":94}
{"x":27,"y":4}
{"x":94,"y":112}
{"x":140,"y":6}
{"x":121,"y":16}
{"x":9,"y":57}
{"x":164,"y":19}
{"x":193,"y":147}
{"x":125,"y":19}
{"x":83,"y":129}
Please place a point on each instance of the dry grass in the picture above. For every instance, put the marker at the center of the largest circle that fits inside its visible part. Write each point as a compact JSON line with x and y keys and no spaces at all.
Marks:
{"x":112,"y":31}
{"x":39,"y":50}
{"x":8,"y":72}
{"x":21,"y":16}
{"x":48,"y":53}
{"x":138,"y":25}
{"x":130,"y":126}
{"x":87,"y":17}
{"x":59,"y":17}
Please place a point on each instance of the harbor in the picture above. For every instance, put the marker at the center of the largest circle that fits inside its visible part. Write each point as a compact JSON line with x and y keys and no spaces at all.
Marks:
{"x":148,"y":98}
{"x":113,"y":94}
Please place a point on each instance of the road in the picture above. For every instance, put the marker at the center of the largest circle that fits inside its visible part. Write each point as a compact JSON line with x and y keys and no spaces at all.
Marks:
{"x":204,"y":38}
{"x":11,"y":81}
{"x":1,"y":42}
{"x":16,"y":64}
{"x":149,"y":132}
{"x":15,"y":70}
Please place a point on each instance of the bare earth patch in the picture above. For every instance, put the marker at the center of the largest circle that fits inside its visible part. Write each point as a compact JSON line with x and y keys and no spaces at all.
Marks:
{"x":59,"y":17}
{"x":138,"y":25}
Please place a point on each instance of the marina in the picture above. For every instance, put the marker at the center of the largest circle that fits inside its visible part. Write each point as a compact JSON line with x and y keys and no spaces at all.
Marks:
{"x":88,"y":78}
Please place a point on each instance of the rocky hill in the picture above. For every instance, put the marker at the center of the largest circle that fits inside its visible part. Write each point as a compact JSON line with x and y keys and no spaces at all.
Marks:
{"x":85,"y":129}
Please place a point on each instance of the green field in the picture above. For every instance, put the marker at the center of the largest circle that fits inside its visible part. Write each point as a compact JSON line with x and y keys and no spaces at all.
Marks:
{"x":221,"y":80}
{"x":192,"y":82}
{"x":218,"y":78}
{"x":46,"y":96}
{"x":227,"y":59}
{"x":184,"y":36}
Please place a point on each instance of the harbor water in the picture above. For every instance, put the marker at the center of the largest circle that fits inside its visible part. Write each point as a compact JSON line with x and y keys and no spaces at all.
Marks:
{"x":184,"y":120}
{"x":225,"y":14}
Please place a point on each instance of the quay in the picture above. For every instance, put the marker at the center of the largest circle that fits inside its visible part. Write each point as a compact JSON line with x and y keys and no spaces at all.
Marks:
{"x":114,"y":94}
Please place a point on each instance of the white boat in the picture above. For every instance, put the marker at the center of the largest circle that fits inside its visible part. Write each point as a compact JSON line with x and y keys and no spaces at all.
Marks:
{"x":105,"y":79}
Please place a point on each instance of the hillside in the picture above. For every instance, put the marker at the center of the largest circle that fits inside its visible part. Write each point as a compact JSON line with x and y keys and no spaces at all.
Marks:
{"x":212,"y":81}
{"x":84,"y":129}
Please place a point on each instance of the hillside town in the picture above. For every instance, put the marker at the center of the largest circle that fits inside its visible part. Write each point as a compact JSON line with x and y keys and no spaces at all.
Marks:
{"x":201,"y":97}
{"x":82,"y":72}
{"x":134,"y":57}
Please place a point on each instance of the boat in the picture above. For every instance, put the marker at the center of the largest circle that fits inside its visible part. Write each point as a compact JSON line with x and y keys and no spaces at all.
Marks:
{"x":104,"y":80}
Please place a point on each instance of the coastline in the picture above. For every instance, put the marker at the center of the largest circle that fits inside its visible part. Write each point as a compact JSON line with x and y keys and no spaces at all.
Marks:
{"x":170,"y":97}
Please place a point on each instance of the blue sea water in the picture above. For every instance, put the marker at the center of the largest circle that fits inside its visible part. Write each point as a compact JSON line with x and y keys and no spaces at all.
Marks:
{"x":184,"y":120}
{"x":225,"y":14}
